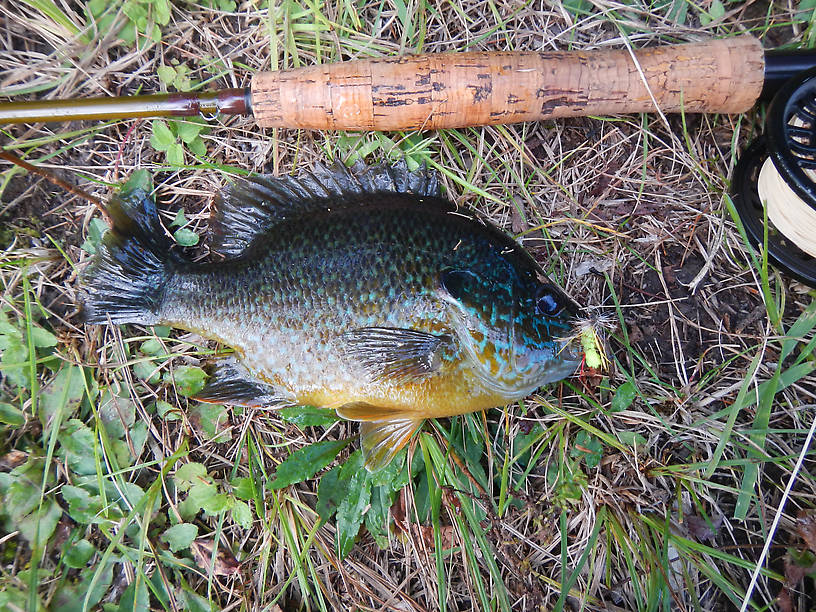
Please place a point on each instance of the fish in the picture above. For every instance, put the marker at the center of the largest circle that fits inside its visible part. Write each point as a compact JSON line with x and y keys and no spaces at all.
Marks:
{"x":362,"y":290}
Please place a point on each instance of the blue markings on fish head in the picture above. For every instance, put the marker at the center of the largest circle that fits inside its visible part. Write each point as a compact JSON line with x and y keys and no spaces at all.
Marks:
{"x":543,"y":319}
{"x":510,"y":326}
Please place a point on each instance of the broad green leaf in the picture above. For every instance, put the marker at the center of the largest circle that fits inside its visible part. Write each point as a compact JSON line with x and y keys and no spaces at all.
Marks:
{"x":140,"y":180}
{"x":15,"y":599}
{"x":716,"y":10}
{"x":116,"y":413}
{"x":306,"y":462}
{"x":242,"y":487}
{"x":78,"y":554}
{"x":135,"y":598}
{"x":134,"y":10}
{"x":197,"y":146}
{"x":189,"y":474}
{"x":162,"y":11}
{"x":241,"y":514}
{"x":22,"y":493}
{"x":96,"y":229}
{"x":83,"y":507}
{"x":152,"y":347}
{"x":96,"y":582}
{"x":41,"y":523}
{"x":175,"y":154}
{"x":78,"y":447}
{"x":624,"y":396}
{"x":42,"y":338}
{"x":147,"y":371}
{"x":211,"y":419}
{"x":631,"y":438}
{"x":156,"y":33}
{"x":188,"y":509}
{"x":62,"y":395}
{"x":166,"y":74}
{"x":180,"y":536}
{"x":189,"y":130}
{"x":350,"y":514}
{"x":127,"y":495}
{"x":167,"y":411}
{"x":203,"y":494}
{"x":216,"y":502}
{"x":189,"y":380}
{"x":11,"y":415}
{"x":162,"y":138}
{"x":308,"y":416}
{"x":330,"y":493}
{"x":162,"y":331}
{"x":121,"y":452}
{"x":389,"y":476}
{"x":588,"y":447}
{"x":180,"y":219}
{"x":185,"y":237}
{"x":7,"y":328}
{"x":376,"y":519}
{"x":192,"y":601}
{"x":128,"y":34}
{"x":138,"y":437}
{"x":14,"y":360}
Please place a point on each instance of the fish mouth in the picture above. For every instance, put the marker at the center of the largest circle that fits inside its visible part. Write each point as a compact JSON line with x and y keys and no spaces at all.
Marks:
{"x":570,"y":350}
{"x":550,"y":364}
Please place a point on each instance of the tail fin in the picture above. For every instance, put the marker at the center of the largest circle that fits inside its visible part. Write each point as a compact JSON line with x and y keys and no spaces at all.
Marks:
{"x":125,"y":282}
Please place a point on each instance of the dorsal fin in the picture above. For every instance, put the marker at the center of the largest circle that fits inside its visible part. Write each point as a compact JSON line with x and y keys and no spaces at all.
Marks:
{"x":251,"y":207}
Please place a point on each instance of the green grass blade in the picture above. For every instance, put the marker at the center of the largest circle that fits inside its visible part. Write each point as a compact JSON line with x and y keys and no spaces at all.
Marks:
{"x":725,"y":436}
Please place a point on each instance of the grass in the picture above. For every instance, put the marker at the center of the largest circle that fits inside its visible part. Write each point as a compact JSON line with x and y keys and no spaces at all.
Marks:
{"x":653,"y":486}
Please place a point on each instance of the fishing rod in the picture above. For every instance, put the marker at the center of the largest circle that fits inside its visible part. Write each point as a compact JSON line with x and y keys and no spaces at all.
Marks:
{"x":449,"y":90}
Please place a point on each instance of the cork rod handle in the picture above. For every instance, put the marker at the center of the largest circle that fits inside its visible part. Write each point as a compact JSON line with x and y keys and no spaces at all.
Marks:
{"x":449,"y":90}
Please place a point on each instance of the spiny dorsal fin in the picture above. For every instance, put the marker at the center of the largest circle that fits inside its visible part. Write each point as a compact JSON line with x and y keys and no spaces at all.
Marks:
{"x":394,"y":354}
{"x":231,"y":383}
{"x":251,"y":207}
{"x":383,"y":431}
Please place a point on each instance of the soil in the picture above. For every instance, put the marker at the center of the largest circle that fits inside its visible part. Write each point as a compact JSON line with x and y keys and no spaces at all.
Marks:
{"x":704,"y":319}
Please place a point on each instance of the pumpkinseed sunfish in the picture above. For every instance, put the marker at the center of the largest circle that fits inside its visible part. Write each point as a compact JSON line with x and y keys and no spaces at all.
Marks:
{"x":361,"y":290}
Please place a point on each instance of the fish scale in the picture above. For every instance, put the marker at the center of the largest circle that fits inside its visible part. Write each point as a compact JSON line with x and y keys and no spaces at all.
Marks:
{"x":387,"y":305}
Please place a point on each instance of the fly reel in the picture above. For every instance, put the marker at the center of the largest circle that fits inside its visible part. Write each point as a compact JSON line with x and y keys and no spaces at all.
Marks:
{"x":777,"y":174}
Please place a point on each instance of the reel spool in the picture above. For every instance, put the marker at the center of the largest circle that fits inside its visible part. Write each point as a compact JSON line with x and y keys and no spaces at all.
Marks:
{"x":779,"y":170}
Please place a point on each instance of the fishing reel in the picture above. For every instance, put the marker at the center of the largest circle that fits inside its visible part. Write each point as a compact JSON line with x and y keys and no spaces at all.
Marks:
{"x":775,"y":180}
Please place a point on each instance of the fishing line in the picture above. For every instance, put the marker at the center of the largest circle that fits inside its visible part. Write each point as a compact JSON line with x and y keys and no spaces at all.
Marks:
{"x":789,"y":213}
{"x":775,"y":179}
{"x":775,"y":524}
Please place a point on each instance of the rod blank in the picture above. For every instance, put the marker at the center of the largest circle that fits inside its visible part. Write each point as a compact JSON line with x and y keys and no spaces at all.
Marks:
{"x":187,"y":104}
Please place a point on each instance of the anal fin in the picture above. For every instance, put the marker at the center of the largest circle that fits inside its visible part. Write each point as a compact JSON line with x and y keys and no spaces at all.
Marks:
{"x":231,"y":383}
{"x":383,"y":431}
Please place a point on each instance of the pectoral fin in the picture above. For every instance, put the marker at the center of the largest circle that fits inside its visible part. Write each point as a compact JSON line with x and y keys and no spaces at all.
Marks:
{"x":395,"y":354}
{"x":383,"y":431}
{"x":230,"y":382}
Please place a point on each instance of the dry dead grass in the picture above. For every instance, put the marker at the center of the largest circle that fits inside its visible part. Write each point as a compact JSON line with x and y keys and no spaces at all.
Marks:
{"x":624,"y":211}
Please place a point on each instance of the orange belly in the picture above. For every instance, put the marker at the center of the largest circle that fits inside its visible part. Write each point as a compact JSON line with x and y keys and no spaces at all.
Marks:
{"x":435,"y":397}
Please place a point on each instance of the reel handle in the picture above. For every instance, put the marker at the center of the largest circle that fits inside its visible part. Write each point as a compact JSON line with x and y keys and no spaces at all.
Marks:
{"x":434,"y":91}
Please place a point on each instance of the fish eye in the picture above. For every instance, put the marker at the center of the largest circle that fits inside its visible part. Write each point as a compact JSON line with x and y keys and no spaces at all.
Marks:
{"x":549,"y":302}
